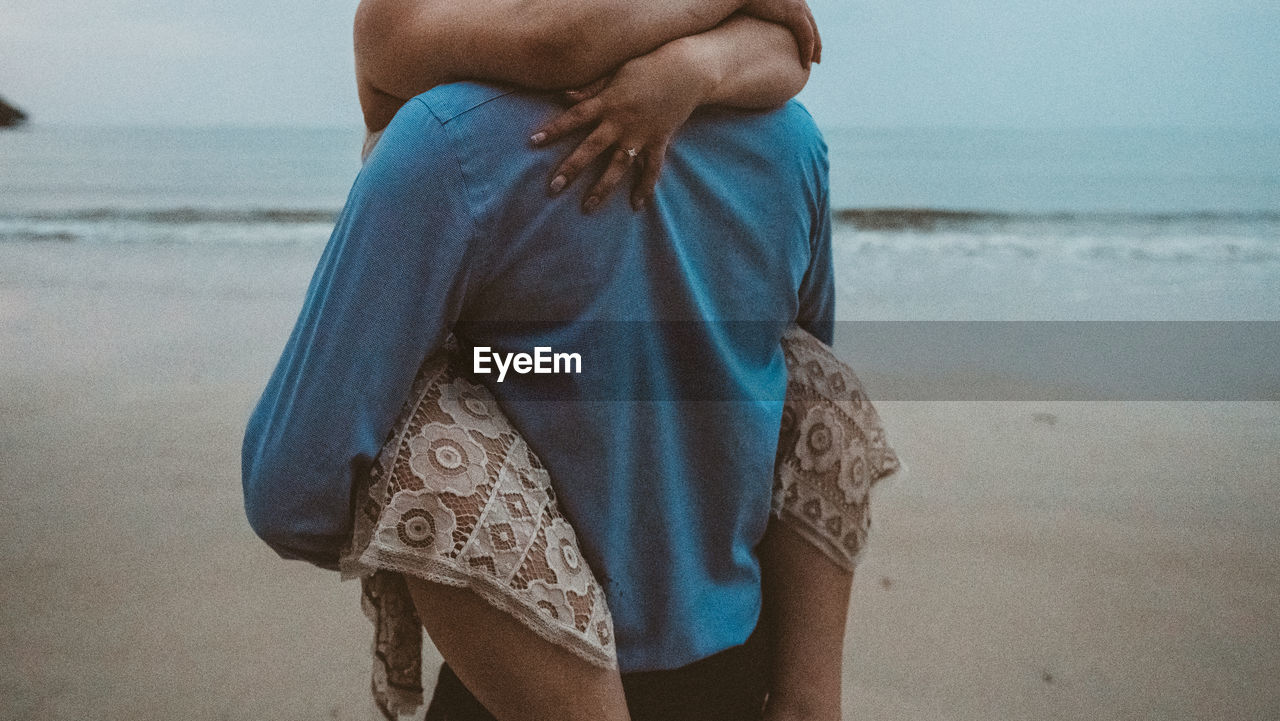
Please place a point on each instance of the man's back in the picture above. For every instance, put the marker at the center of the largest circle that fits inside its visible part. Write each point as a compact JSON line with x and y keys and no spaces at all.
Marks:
{"x":662,"y":447}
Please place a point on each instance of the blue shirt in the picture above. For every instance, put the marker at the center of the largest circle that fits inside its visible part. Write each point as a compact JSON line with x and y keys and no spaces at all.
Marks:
{"x":661,"y":450}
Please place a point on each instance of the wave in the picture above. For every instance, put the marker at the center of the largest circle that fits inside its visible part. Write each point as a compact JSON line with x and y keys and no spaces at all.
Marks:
{"x":181,"y":216}
{"x":931,"y":219}
{"x":1219,"y":237}
{"x":170,"y":225}
{"x":913,"y":219}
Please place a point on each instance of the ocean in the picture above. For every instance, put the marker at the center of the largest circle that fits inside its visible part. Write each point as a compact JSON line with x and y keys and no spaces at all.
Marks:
{"x":930,"y":224}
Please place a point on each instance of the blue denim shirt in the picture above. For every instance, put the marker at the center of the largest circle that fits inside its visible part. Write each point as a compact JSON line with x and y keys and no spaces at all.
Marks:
{"x":661,"y":450}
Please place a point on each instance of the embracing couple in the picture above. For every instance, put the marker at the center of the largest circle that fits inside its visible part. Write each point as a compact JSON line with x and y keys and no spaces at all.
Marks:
{"x":666,"y":531}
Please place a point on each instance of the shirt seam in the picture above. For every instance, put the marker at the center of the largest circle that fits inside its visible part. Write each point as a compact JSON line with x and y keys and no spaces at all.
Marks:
{"x":467,"y":192}
{"x":460,"y":113}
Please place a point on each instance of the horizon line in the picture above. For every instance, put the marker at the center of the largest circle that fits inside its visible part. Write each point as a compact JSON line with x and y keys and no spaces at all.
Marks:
{"x":835,"y":126}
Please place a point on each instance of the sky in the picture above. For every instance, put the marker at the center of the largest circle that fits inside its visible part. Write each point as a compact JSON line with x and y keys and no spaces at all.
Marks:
{"x":887,"y":63}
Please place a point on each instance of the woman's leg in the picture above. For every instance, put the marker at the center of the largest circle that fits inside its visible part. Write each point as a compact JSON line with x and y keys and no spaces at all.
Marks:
{"x":806,"y":600}
{"x":514,"y":673}
{"x":451,"y":701}
{"x":728,"y":686}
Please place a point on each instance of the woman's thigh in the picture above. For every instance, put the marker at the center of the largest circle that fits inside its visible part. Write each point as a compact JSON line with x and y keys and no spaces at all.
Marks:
{"x":727,"y":686}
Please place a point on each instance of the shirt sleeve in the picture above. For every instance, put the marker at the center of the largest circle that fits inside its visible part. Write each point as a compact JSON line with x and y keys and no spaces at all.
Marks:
{"x":388,"y":288}
{"x":817,"y":309}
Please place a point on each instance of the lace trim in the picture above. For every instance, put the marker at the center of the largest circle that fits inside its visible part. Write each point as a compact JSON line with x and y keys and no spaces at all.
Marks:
{"x":831,"y":451}
{"x":396,"y":684}
{"x":455,"y":496}
{"x":500,"y":598}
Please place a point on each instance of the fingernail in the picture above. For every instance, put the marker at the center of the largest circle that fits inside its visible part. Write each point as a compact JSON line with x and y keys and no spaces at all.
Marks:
{"x":591,"y":204}
{"x":537,"y":137}
{"x":557,"y":184}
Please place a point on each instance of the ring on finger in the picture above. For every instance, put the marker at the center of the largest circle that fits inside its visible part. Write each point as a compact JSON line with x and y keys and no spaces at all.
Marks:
{"x":631,"y":152}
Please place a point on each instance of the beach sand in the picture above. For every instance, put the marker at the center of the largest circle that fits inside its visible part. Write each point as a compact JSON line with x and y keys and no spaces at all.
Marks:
{"x":1040,"y":561}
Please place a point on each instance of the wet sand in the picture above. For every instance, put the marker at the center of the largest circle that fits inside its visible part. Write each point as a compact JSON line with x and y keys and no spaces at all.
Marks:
{"x":1041,"y":560}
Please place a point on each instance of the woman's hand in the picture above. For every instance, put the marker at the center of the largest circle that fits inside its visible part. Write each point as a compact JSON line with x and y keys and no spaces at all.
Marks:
{"x":634,"y":113}
{"x":744,"y":62}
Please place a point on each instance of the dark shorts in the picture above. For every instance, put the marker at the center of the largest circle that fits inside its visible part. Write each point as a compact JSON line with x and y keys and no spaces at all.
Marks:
{"x":727,"y":686}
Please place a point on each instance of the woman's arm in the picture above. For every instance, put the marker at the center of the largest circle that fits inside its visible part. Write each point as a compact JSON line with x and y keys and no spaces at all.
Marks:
{"x":806,"y":601}
{"x":405,"y":47}
{"x":745,"y":62}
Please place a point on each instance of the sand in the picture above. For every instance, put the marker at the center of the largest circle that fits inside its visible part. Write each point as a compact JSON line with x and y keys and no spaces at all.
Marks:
{"x":1040,"y":561}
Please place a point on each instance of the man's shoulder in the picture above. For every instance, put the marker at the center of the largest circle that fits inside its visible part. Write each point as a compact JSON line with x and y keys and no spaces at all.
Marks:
{"x":793,"y":124}
{"x":804,"y":130}
{"x":784,"y":144}
{"x":794,"y":112}
{"x":453,"y":100}
{"x":782,"y":132}
{"x":417,"y":132}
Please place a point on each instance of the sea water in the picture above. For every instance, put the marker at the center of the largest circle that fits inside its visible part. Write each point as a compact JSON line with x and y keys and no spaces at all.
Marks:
{"x":929,"y":224}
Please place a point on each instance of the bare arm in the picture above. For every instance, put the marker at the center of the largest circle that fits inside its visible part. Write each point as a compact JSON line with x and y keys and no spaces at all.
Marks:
{"x":745,"y":62}
{"x":514,"y":673}
{"x":406,"y":47}
{"x":806,"y":601}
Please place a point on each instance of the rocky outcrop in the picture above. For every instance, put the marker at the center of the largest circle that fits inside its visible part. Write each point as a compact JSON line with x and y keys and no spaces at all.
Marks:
{"x":10,"y":116}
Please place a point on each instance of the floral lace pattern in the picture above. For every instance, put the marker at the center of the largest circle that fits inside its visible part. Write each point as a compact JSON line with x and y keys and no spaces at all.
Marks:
{"x":831,"y":450}
{"x":457,"y":497}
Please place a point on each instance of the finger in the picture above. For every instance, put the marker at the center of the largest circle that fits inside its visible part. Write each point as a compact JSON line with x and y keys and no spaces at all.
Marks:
{"x":618,"y":167}
{"x":650,"y":168}
{"x":588,"y":150}
{"x":587,"y":91}
{"x":817,"y":39}
{"x":585,"y":112}
{"x":803,"y":30}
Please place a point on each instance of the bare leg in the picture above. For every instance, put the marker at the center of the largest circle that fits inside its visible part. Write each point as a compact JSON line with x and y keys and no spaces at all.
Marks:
{"x":516,"y":674}
{"x":806,"y":597}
